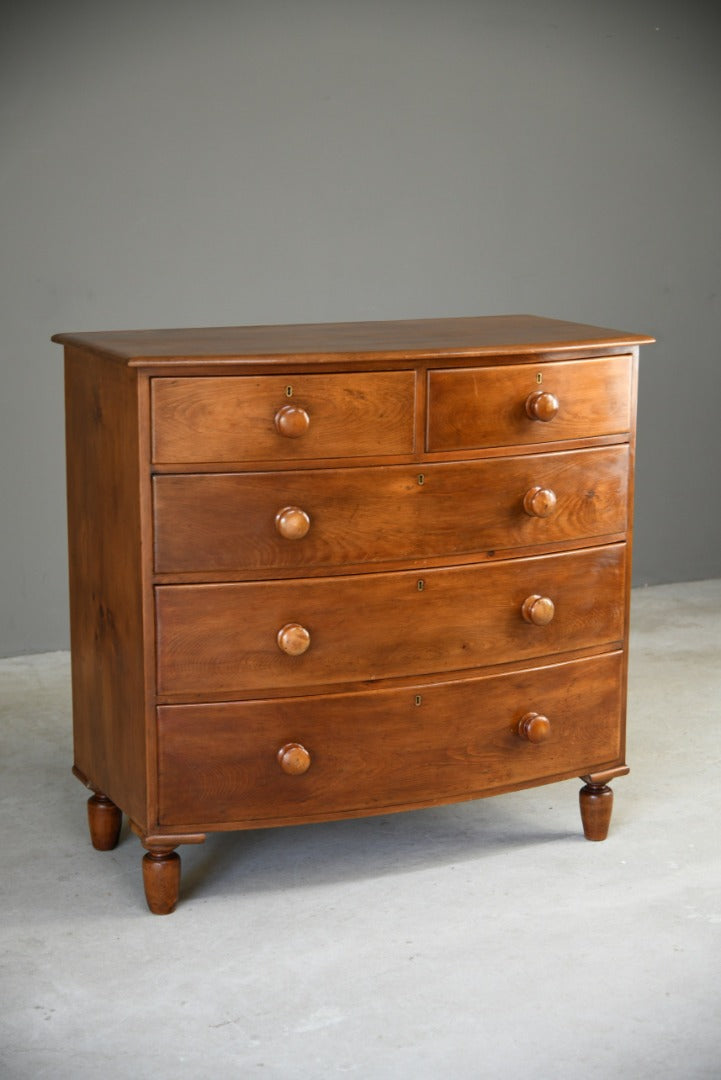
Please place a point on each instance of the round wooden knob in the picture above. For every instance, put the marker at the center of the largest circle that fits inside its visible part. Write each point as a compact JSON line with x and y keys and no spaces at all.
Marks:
{"x":540,"y":405}
{"x":534,"y":727}
{"x":538,"y":610}
{"x":292,"y":523}
{"x":292,"y":421}
{"x":294,"y":759}
{"x":293,"y":639}
{"x":539,"y":502}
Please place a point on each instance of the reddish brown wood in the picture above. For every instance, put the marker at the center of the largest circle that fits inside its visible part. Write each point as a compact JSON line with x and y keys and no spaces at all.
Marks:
{"x":538,"y":610}
{"x":161,"y":880}
{"x":293,"y":639}
{"x":364,"y":342}
{"x":596,"y":802}
{"x":604,"y":776}
{"x":234,"y":418}
{"x":539,"y":502}
{"x":294,"y":759}
{"x":342,"y":543}
{"x":292,"y":523}
{"x":228,"y":521}
{"x":292,"y":421}
{"x":471,"y":407}
{"x":106,"y":578}
{"x":541,"y":405}
{"x":219,"y":641}
{"x":218,"y":762}
{"x":104,"y":821}
{"x":535,"y":727}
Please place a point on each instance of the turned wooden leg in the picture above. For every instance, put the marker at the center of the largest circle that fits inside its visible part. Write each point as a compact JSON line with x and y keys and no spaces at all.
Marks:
{"x":596,"y":805}
{"x":596,"y":801}
{"x":161,"y":878}
{"x":104,"y":820}
{"x":161,"y":866}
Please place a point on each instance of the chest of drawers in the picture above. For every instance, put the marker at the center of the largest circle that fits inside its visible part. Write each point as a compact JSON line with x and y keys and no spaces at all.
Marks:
{"x":327,"y":571}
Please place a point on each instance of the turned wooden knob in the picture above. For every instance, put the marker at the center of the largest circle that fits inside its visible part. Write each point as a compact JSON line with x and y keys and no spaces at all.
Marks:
{"x":540,"y":405}
{"x":538,"y":610}
{"x":534,"y":727}
{"x":539,"y":502}
{"x":292,"y":421}
{"x":292,"y":523}
{"x":294,"y":759}
{"x":293,"y":639}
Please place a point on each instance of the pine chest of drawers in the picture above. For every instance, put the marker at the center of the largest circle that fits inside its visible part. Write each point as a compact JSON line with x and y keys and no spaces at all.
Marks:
{"x":327,"y":571}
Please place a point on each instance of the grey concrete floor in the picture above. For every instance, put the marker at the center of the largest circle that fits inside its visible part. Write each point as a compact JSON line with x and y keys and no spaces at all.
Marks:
{"x":487,"y":939}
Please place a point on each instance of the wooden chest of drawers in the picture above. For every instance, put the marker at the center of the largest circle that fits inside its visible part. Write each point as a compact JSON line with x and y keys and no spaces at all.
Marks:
{"x":327,"y":571}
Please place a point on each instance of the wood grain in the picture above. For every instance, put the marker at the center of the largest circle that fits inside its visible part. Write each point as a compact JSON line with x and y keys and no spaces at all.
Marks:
{"x":222,"y":639}
{"x":104,"y":821}
{"x":478,"y":407}
{"x":291,"y":344}
{"x":161,"y":880}
{"x":380,"y":750}
{"x":234,"y":419}
{"x":596,"y":805}
{"x":227,"y":521}
{"x":360,"y":515}
{"x":106,"y":598}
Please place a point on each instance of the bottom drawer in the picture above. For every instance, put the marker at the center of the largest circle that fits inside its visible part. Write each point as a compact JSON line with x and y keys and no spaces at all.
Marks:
{"x":380,"y":750}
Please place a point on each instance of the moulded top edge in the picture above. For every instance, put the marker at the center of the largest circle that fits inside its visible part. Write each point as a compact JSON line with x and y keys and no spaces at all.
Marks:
{"x":410,"y":339}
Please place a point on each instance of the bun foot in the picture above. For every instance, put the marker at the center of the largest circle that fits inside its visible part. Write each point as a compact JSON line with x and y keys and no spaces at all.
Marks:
{"x":161,"y":878}
{"x":596,"y":805}
{"x":104,"y":821}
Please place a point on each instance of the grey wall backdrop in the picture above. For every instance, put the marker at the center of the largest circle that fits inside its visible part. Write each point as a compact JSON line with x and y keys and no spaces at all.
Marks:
{"x":172,"y":163}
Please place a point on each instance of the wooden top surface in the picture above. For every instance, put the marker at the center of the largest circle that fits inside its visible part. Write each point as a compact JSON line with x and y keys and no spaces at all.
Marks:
{"x":407,"y":339}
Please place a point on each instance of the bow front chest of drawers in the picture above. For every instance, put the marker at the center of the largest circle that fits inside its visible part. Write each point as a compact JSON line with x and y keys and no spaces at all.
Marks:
{"x":328,"y":571}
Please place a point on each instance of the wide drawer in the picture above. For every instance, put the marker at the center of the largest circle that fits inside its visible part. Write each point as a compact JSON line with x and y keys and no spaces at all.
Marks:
{"x":231,"y":639}
{"x":385,"y":749}
{"x":277,"y":417}
{"x":311,"y":518}
{"x":494,"y":406}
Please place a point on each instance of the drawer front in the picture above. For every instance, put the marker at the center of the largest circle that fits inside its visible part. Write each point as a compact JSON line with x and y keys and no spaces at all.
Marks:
{"x":312,"y":518}
{"x":230,"y":639}
{"x":494,"y":406}
{"x":283,"y":418}
{"x":386,"y":749}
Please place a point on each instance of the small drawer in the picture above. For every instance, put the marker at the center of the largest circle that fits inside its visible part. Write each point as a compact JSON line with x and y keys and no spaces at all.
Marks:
{"x":232,"y":639}
{"x":310,"y":758}
{"x":239,"y":522}
{"x":282,"y":418}
{"x":526,"y":404}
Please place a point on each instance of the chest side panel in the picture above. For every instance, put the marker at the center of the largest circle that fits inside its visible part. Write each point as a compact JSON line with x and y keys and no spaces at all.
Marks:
{"x":105,"y":569}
